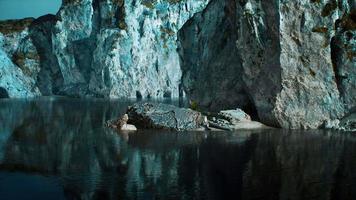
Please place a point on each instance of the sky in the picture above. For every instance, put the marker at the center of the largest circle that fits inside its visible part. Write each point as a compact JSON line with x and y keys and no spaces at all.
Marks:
{"x":18,"y":9}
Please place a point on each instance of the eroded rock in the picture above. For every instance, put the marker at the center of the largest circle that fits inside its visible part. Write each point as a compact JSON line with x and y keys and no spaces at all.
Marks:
{"x":283,"y":60}
{"x":19,"y":60}
{"x":234,"y":120}
{"x":164,"y":116}
{"x":14,"y":81}
{"x":348,"y":123}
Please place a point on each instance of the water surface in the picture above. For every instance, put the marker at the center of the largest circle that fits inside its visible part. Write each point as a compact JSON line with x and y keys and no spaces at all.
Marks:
{"x":59,"y":149}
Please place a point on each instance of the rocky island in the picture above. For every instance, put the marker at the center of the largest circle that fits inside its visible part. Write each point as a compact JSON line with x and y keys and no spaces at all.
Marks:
{"x":289,"y":64}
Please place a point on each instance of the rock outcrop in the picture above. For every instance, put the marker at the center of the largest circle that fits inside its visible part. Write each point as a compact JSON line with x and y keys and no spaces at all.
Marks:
{"x":19,"y":61}
{"x":233,"y":120}
{"x":164,"y":116}
{"x":286,"y":65}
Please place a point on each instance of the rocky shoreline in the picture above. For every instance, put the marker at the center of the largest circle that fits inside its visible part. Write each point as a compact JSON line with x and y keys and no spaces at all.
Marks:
{"x":290,"y":63}
{"x":146,"y":115}
{"x":159,"y":116}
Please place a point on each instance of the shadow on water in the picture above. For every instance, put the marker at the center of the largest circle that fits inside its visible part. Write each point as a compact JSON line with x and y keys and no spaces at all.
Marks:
{"x":59,"y":149}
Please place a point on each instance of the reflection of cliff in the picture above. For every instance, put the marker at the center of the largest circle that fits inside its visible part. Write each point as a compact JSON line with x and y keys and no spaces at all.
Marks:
{"x":48,"y":139}
{"x":93,"y":162}
{"x":302,"y":166}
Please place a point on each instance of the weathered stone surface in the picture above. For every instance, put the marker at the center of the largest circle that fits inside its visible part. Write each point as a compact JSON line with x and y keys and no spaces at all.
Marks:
{"x":234,"y":120}
{"x":348,"y":123}
{"x":344,"y":56}
{"x":236,"y":115}
{"x":136,"y":55}
{"x":14,"y":81}
{"x":164,"y":116}
{"x":284,"y":61}
{"x":50,"y":78}
{"x":104,"y":48}
{"x":19,"y":61}
{"x":210,"y":63}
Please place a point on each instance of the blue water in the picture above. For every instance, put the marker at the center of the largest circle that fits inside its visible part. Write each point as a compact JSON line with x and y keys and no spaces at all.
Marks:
{"x":59,"y":149}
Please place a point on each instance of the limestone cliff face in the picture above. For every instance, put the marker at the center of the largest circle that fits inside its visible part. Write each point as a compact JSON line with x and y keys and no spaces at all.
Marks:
{"x":19,"y":61}
{"x":105,"y":48}
{"x":295,"y":60}
{"x":291,"y":63}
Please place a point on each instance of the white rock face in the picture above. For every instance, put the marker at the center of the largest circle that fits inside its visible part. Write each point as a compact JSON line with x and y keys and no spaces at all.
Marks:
{"x":139,"y":58}
{"x":106,"y":48}
{"x":19,"y":61}
{"x":75,"y":23}
{"x":292,"y":80}
{"x":14,"y":81}
{"x":284,"y":61}
{"x":120,"y":48}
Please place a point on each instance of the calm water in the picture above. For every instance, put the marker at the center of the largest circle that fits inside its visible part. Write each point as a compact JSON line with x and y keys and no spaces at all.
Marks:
{"x":59,"y":149}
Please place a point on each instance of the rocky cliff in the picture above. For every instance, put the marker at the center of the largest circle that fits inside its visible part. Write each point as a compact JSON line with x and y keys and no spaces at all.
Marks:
{"x":104,"y":48}
{"x":293,"y":60}
{"x":289,"y":63}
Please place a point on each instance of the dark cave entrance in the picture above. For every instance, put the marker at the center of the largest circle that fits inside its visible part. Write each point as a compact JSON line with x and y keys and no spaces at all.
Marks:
{"x":3,"y":93}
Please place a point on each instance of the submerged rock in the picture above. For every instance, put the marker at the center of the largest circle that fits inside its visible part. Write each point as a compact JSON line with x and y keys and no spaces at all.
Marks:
{"x":164,"y":116}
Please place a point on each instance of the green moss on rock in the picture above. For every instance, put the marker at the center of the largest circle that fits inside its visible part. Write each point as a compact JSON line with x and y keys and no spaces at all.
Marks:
{"x":11,"y":26}
{"x":329,"y":8}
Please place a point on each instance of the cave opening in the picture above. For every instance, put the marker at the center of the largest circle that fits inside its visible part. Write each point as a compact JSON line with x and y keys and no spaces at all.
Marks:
{"x":3,"y":93}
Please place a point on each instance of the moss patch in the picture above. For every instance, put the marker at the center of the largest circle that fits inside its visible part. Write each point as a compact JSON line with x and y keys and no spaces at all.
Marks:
{"x":121,"y":15}
{"x":320,"y":29}
{"x":149,"y":3}
{"x":11,"y":26}
{"x":329,"y":8}
{"x":315,"y":1}
{"x":348,"y":21}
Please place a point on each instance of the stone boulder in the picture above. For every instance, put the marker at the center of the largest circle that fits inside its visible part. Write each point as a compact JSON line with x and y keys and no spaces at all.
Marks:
{"x":348,"y":123}
{"x":236,"y":115}
{"x":234,"y":120}
{"x":164,"y":116}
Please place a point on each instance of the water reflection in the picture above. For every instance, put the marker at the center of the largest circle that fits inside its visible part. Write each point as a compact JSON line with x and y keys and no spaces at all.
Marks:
{"x":64,"y":141}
